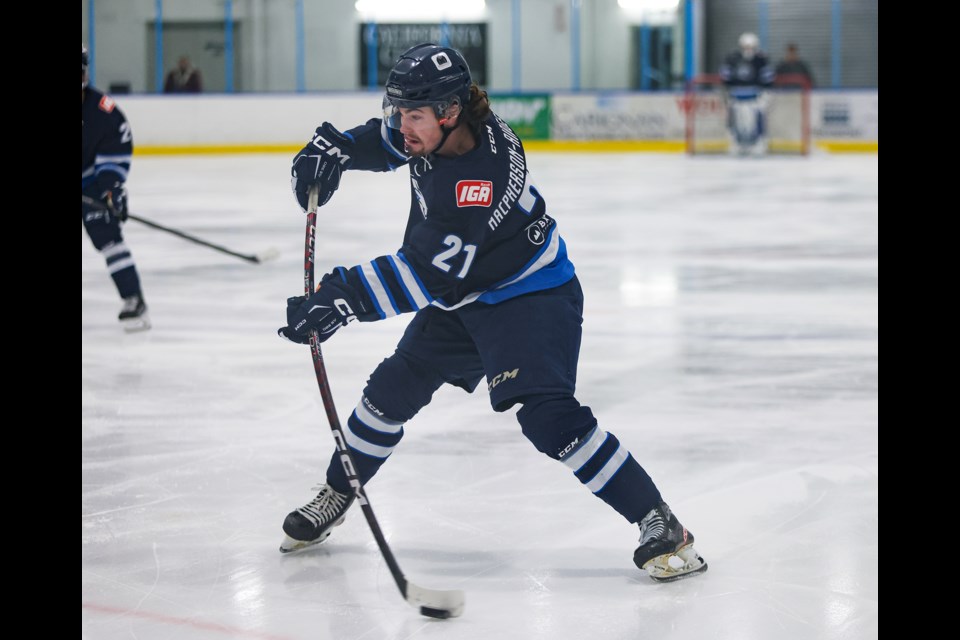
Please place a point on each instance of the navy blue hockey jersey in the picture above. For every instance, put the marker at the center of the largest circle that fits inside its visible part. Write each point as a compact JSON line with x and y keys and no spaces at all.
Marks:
{"x":477,"y":231}
{"x":738,"y":71}
{"x":107,"y":143}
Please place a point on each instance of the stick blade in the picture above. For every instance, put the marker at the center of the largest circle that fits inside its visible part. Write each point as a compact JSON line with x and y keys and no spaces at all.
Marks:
{"x":436,"y":604}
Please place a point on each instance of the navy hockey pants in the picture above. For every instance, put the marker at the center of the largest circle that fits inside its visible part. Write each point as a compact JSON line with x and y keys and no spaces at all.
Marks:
{"x":527,"y":348}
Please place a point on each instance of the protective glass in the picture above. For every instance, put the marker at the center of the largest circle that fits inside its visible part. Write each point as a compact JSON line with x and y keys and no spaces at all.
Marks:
{"x":391,"y":110}
{"x":391,"y":114}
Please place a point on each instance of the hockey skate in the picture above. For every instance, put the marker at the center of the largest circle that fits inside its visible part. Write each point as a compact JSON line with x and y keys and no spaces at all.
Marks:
{"x":313,"y":523}
{"x":666,"y":548}
{"x":133,"y":316}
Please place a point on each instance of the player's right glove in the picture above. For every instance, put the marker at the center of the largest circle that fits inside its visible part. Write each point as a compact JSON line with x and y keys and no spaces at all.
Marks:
{"x":320,"y":163}
{"x":116,"y":199}
{"x":112,"y":193}
{"x":331,"y":307}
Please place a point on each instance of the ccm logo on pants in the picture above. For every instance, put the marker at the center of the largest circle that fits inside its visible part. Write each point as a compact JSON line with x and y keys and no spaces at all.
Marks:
{"x":474,"y":193}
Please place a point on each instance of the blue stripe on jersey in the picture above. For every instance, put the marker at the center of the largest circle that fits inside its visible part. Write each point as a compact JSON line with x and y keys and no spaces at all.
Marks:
{"x":120,"y":158}
{"x":366,"y":285}
{"x":343,"y":274}
{"x":559,"y":271}
{"x":376,"y":286}
{"x":119,"y":169}
{"x":392,"y":274}
{"x":386,"y":288}
{"x":406,"y":291}
{"x":423,"y":289}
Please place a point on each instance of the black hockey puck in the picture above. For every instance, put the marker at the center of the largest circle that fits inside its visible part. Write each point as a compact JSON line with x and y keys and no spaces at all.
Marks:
{"x":435,"y":613}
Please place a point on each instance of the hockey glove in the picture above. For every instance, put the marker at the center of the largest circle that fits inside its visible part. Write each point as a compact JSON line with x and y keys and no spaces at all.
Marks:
{"x":116,"y":199}
{"x":320,"y":163}
{"x":330,"y":308}
{"x":113,"y":194}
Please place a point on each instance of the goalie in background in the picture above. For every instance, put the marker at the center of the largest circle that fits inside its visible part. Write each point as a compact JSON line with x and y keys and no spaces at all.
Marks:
{"x":747,"y":74}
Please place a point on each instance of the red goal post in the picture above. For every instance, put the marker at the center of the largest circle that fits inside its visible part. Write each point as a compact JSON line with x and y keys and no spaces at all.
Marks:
{"x":788,"y":115}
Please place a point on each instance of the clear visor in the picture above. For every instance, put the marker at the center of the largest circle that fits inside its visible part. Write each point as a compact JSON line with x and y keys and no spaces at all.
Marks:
{"x":391,"y":113}
{"x":391,"y":109}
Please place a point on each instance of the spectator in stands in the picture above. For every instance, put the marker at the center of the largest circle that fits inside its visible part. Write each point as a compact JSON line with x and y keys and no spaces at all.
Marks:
{"x":185,"y":78}
{"x":793,"y":64}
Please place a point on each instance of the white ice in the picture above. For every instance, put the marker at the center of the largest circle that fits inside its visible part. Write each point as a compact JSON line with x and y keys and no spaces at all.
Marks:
{"x":730,"y":341}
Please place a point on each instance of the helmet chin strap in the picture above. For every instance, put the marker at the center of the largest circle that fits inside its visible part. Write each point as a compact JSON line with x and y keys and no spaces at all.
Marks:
{"x":445,"y":133}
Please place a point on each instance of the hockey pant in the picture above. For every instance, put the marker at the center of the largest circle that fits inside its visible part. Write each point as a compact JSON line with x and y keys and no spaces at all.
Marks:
{"x":556,"y":424}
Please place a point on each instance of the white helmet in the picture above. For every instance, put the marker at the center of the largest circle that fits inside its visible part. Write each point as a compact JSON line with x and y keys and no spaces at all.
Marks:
{"x":749,"y":44}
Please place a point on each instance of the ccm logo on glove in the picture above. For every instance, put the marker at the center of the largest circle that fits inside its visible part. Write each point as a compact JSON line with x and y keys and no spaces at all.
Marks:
{"x":341,"y":305}
{"x":326,"y":311}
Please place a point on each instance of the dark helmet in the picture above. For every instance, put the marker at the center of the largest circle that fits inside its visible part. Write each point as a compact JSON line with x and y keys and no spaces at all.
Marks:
{"x":84,"y":64}
{"x":427,"y":74}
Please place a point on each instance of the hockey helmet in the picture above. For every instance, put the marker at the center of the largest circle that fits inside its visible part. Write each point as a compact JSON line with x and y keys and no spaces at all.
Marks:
{"x":426,"y":75}
{"x":749,"y":44}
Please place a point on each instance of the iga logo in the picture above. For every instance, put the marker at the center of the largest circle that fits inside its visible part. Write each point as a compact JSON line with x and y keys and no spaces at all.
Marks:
{"x":107,"y":104}
{"x":474,"y":193}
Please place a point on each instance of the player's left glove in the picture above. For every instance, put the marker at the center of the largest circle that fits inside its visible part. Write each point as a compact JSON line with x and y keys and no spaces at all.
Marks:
{"x":331,"y":307}
{"x":321,"y":163}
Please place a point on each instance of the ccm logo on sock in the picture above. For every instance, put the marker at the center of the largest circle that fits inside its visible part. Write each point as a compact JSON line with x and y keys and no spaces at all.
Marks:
{"x":474,"y":193}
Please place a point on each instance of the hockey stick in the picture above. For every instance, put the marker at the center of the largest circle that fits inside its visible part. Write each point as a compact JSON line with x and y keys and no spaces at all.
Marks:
{"x":269,"y":254}
{"x":430,"y":602}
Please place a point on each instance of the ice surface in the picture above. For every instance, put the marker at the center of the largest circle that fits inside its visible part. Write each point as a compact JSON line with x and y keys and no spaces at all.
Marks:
{"x":730,"y":341}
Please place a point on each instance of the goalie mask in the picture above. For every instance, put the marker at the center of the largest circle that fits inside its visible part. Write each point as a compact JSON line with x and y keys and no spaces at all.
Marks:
{"x":749,"y":44}
{"x":426,"y":75}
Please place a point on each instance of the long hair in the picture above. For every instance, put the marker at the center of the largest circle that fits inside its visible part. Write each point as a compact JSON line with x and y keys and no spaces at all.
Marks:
{"x":477,"y":110}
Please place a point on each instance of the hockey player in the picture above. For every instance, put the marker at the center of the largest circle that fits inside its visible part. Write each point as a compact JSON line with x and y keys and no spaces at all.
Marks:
{"x":486,"y":274}
{"x":746,"y":73}
{"x":107,"y":145}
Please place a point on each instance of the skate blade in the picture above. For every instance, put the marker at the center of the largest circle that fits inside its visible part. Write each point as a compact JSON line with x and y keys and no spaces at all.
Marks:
{"x":685,"y":563}
{"x":133,"y":325}
{"x":290,"y":545}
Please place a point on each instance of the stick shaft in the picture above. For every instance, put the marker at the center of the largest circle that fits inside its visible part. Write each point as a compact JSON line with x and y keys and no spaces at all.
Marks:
{"x":182,"y":234}
{"x":346,"y":458}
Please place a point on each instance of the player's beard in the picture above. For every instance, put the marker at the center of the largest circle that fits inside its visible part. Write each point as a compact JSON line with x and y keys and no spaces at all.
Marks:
{"x":421,"y":151}
{"x":415,"y":154}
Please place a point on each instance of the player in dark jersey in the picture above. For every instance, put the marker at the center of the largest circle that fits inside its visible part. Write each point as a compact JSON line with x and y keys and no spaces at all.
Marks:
{"x":485,"y":271}
{"x":747,"y":74}
{"x":107,"y":145}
